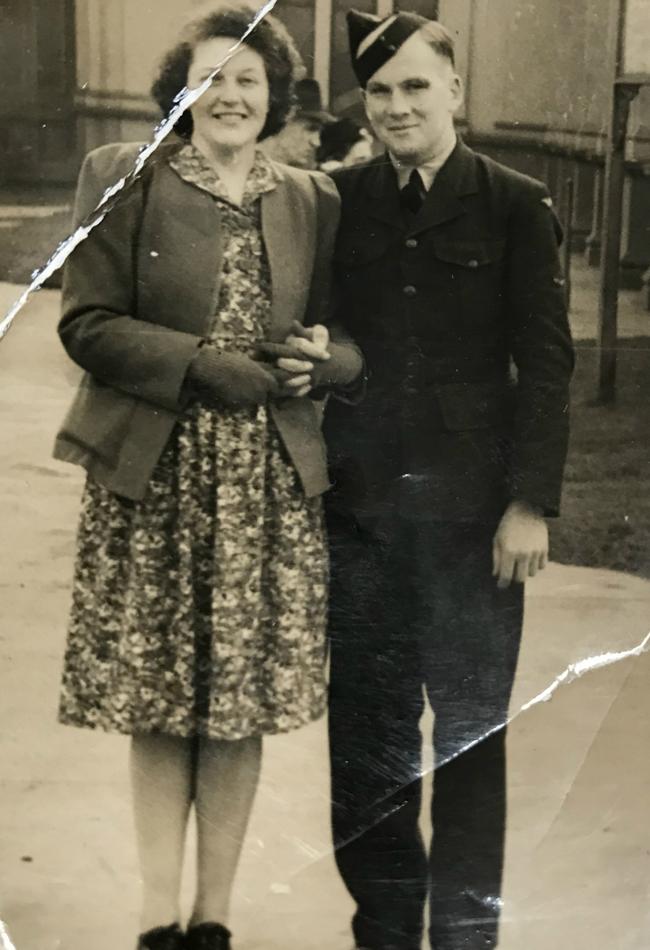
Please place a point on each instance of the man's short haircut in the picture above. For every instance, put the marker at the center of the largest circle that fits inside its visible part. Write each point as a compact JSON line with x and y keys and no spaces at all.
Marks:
{"x":440,"y":40}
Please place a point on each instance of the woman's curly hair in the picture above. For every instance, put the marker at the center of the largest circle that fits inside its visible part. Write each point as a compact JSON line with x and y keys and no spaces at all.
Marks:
{"x":270,"y":39}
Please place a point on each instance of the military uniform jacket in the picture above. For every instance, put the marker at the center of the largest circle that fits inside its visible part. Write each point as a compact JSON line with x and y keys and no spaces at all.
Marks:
{"x":460,"y":313}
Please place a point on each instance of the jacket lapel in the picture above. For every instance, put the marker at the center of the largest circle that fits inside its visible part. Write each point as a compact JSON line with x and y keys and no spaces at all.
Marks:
{"x":288,"y":235}
{"x":440,"y":205}
{"x":455,"y":180}
{"x":180,"y":254}
{"x":385,"y":204}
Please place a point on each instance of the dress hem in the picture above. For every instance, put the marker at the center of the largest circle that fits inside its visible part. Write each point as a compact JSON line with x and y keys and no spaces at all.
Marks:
{"x":111,"y":729}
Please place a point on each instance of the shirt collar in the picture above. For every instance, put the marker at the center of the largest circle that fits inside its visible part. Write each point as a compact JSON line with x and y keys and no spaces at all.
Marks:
{"x":191,"y":165}
{"x":428,"y":170}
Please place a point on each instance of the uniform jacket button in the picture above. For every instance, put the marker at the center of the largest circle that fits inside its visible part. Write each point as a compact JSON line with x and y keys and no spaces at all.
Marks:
{"x":472,"y":263}
{"x":412,"y":242}
{"x":410,"y":290}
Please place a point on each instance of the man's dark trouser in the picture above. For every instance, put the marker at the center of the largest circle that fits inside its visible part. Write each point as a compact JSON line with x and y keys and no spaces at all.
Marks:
{"x":414,"y":607}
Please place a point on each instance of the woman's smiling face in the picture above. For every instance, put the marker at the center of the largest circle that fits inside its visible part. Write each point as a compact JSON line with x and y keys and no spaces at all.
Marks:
{"x":232,"y":112}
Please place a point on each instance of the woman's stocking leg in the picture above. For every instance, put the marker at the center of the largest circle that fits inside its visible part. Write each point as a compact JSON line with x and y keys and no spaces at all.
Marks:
{"x":226,"y":781}
{"x":162,"y":784}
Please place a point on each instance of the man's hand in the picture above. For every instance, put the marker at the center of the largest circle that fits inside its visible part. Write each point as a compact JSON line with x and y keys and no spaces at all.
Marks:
{"x":297,"y":356}
{"x":334,"y":365}
{"x":520,"y":547}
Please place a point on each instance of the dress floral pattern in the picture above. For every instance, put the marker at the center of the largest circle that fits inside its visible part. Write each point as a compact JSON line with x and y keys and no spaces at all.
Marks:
{"x":201,"y":610}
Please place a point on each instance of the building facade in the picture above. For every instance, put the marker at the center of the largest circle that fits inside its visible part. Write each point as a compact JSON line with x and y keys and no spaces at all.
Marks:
{"x":537,"y":79}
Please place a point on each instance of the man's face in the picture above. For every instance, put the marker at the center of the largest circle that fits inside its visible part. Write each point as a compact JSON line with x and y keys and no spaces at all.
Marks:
{"x":296,"y":144}
{"x":411,"y":100}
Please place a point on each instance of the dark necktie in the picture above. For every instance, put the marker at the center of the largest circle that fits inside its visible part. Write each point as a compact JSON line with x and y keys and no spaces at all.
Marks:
{"x":413,"y":193}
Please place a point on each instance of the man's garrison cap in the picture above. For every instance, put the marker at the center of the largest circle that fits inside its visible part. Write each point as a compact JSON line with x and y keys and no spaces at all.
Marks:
{"x":373,"y":40}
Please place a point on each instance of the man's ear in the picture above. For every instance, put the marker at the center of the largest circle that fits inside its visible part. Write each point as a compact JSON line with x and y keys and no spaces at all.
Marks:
{"x":364,"y":99}
{"x":458,"y":92}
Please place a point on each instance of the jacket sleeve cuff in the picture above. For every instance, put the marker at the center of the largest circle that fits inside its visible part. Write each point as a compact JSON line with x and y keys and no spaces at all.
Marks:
{"x":537,"y":492}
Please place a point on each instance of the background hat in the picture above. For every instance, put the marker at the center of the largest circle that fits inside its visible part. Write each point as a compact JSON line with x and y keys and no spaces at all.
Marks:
{"x":309,"y":102}
{"x":338,"y":137}
{"x":374,"y":41}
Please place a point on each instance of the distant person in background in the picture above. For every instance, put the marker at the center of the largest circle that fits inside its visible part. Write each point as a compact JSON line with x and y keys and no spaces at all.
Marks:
{"x":343,"y":142}
{"x":297,"y":142}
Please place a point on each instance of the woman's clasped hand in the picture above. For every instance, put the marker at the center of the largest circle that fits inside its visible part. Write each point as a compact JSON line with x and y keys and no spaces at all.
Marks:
{"x":276,"y":370}
{"x":310,"y":361}
{"x":295,"y":363}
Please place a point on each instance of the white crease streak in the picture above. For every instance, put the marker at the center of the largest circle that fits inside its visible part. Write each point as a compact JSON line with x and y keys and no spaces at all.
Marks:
{"x":573,"y":672}
{"x":184,"y":100}
{"x":5,"y":939}
{"x":576,"y":670}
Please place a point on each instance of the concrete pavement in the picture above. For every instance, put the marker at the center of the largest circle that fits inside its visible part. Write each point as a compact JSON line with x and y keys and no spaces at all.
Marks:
{"x":578,"y":858}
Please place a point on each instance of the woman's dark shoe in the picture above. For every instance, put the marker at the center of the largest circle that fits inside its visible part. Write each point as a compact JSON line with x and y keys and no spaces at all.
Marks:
{"x":208,"y":937}
{"x":162,"y":938}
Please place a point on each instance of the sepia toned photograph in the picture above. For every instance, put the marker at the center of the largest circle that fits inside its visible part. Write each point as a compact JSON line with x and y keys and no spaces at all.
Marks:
{"x":325,"y":481}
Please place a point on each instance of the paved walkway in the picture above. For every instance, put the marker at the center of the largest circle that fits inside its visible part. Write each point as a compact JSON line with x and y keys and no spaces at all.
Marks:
{"x":578,"y":864}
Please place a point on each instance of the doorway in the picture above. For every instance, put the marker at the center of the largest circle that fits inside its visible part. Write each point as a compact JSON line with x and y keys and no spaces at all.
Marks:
{"x":38,"y":79}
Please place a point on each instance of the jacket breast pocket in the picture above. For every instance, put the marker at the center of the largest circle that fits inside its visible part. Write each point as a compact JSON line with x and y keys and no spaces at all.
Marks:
{"x":473,"y":271}
{"x":357,"y":251}
{"x":470,"y":257}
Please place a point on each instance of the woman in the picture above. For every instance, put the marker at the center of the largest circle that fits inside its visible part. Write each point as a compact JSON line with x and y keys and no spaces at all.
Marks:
{"x":343,"y":142}
{"x":198,"y":617}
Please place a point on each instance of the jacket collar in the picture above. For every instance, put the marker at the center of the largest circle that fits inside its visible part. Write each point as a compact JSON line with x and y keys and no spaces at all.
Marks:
{"x":191,"y":219}
{"x":456,"y":179}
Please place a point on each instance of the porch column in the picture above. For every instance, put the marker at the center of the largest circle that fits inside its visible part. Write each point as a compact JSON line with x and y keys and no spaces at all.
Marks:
{"x":636,"y":232}
{"x":323,"y":47}
{"x":593,"y":243}
{"x":584,"y":175}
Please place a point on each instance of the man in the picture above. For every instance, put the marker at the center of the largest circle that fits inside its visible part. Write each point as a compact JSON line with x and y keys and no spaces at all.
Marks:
{"x":448,"y":279}
{"x":298,"y":141}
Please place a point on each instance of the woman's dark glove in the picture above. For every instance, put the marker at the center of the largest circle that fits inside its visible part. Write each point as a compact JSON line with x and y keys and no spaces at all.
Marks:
{"x":233,"y":380}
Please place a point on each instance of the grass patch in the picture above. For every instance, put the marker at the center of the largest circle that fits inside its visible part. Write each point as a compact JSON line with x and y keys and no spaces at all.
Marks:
{"x":605,"y":518}
{"x":26,"y":244}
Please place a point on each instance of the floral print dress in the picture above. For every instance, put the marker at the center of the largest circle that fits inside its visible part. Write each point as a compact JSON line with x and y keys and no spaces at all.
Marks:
{"x":201,"y":610}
